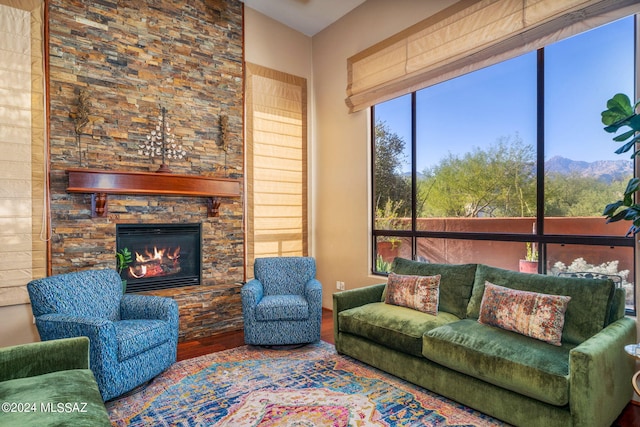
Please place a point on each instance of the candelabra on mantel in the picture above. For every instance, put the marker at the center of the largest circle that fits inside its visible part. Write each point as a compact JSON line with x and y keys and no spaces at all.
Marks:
{"x":161,"y":142}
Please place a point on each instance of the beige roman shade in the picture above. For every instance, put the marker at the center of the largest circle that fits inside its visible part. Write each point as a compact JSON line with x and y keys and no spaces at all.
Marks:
{"x":22,"y":143}
{"x":276,"y":156}
{"x":467,"y":36}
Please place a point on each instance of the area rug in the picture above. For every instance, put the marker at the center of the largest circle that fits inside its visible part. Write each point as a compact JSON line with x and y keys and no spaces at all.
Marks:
{"x":308,"y":386}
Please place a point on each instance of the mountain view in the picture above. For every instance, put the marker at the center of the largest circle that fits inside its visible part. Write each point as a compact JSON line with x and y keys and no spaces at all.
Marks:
{"x":604,"y":170}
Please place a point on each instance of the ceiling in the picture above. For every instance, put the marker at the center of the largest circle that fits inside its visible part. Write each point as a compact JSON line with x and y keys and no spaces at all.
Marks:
{"x":306,"y":16}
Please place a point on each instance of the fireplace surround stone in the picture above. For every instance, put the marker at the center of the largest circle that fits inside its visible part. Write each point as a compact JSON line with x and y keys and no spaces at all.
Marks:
{"x":134,"y":58}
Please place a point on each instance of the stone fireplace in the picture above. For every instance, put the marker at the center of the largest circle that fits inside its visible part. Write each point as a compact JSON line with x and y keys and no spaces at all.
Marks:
{"x":133,"y":59}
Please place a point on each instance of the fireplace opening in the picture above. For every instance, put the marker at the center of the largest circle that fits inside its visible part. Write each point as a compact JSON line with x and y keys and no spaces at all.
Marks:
{"x":163,"y":255}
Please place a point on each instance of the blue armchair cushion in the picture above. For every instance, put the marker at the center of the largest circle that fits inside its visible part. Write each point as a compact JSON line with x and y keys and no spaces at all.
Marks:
{"x":284,"y":275}
{"x":134,"y":337}
{"x":282,"y":307}
{"x":84,"y":286}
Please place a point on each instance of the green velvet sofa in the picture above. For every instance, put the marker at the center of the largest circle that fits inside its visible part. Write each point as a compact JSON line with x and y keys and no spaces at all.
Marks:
{"x":49,"y":383}
{"x":586,"y":381}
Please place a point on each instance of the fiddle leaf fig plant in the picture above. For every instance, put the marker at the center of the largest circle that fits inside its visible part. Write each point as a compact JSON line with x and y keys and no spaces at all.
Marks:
{"x":621,"y":114}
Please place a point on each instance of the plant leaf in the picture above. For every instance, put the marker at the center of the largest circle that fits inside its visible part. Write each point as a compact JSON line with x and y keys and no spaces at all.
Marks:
{"x":624,"y":136}
{"x":634,"y":122}
{"x":626,"y":147}
{"x":618,"y":217}
{"x":613,"y":126}
{"x":632,"y":186}
{"x":620,"y":103}
{"x":611,"y":208}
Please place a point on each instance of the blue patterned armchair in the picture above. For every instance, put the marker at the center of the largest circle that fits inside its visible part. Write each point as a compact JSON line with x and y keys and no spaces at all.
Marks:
{"x":283,"y":303}
{"x":132,"y":338}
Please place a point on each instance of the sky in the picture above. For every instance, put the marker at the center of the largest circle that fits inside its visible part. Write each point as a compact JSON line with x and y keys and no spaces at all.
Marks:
{"x":475,"y":110}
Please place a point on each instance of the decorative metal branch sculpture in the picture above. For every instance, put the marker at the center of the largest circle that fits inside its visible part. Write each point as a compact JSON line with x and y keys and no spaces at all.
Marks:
{"x":224,"y":132}
{"x":81,"y":118}
{"x":161,"y":142}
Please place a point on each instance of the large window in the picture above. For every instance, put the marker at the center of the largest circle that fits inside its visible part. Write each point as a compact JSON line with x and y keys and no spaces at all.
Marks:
{"x":510,"y":165}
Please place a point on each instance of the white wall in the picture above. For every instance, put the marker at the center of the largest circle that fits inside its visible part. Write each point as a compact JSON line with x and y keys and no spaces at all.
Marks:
{"x":341,"y":145}
{"x":16,"y":325}
{"x":339,"y":223}
{"x":274,"y":45}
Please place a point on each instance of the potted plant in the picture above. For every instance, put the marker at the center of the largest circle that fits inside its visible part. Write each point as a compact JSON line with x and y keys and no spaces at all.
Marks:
{"x":387,"y":219}
{"x":621,"y":114}
{"x":382,"y":266}
{"x":530,"y":262}
{"x":123,"y":260}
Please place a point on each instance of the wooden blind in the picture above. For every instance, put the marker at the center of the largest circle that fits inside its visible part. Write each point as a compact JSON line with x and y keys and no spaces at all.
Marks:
{"x":469,"y":35}
{"x":22,"y":136}
{"x":276,"y":151}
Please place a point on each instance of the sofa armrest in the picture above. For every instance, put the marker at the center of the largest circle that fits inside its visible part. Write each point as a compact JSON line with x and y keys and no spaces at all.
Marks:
{"x":600,"y":374}
{"x":29,"y":360}
{"x":354,"y":298}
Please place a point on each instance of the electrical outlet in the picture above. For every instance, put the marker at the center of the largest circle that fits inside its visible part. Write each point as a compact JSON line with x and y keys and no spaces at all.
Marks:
{"x":340,"y":285}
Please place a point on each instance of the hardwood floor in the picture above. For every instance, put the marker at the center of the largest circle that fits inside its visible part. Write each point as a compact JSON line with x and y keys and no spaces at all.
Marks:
{"x":630,"y":417}
{"x":224,"y":341}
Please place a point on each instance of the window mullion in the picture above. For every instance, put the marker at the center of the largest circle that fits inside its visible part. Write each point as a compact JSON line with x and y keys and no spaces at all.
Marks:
{"x":414,"y":177}
{"x":540,"y":142}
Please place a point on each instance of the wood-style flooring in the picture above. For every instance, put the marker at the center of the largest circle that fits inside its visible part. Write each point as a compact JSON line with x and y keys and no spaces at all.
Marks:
{"x":630,"y":417}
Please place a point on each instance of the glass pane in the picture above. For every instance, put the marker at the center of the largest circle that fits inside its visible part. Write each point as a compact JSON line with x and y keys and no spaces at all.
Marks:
{"x":505,"y":255}
{"x":583,"y":174}
{"x":392,"y":155}
{"x":389,"y":247}
{"x":476,"y":138}
{"x":615,"y":261}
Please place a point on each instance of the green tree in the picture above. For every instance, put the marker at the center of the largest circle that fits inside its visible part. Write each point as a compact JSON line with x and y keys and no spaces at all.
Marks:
{"x":497,"y":181}
{"x":575,"y":195}
{"x":390,"y":184}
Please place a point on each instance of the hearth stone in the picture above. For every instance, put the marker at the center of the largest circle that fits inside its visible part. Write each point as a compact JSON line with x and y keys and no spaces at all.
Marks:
{"x":206,"y":310}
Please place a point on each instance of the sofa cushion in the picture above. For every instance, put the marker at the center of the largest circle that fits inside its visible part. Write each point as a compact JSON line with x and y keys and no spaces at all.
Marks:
{"x":46,"y":392}
{"x":396,"y":327}
{"x":456,"y":282}
{"x":536,"y":315}
{"x":137,"y":336}
{"x":417,"y":292}
{"x":282,"y":307}
{"x":586,"y":313}
{"x":503,"y":358}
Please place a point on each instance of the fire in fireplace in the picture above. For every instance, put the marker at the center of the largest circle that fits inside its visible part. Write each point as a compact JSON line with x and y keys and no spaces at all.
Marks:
{"x":163,"y":255}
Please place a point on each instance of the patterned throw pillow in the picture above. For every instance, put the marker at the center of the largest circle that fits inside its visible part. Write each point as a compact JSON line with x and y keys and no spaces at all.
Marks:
{"x":535,"y":315}
{"x":416,"y":292}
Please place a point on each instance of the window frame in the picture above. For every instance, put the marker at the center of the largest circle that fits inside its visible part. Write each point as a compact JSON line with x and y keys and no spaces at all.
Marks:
{"x":540,"y":237}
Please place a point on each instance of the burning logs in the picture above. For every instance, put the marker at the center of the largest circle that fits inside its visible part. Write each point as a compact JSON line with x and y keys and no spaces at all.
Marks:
{"x":160,"y":262}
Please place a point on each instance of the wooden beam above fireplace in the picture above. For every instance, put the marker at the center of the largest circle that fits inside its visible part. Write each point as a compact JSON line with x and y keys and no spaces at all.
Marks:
{"x":102,"y":182}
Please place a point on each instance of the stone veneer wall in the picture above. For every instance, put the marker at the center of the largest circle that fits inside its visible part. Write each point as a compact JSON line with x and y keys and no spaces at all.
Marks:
{"x":134,"y":58}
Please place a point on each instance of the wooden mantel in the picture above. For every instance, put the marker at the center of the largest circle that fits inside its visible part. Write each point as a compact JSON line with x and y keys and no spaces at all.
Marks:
{"x":102,"y":182}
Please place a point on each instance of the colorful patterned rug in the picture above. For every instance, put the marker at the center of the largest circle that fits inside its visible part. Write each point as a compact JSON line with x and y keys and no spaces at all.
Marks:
{"x":309,"y":386}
